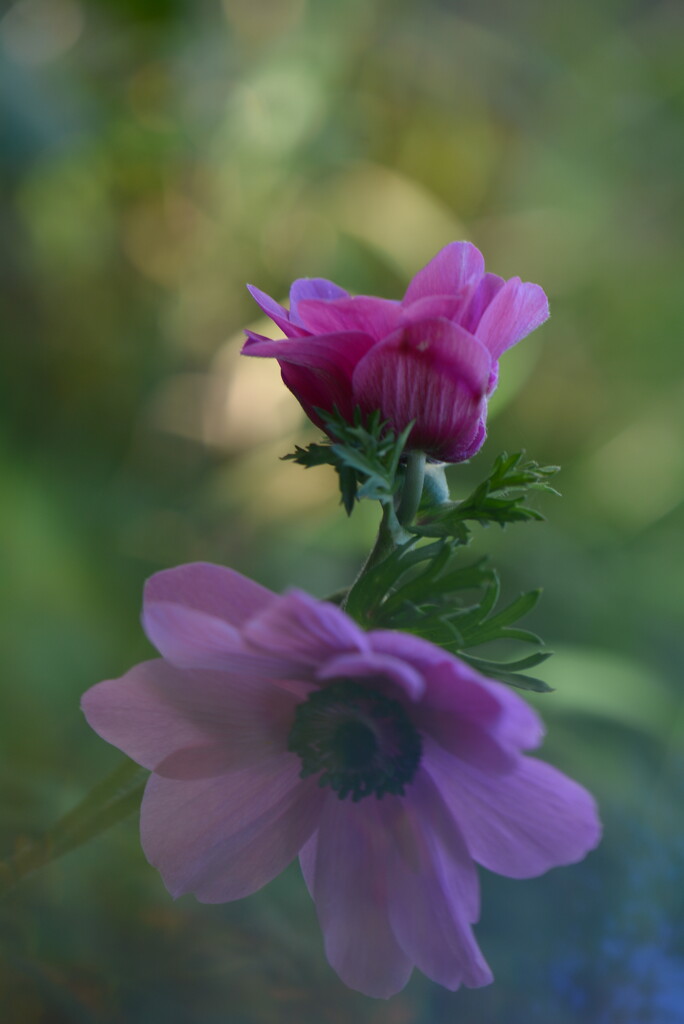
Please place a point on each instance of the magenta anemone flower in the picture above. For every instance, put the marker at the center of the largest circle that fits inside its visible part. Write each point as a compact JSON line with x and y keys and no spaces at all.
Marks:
{"x":431,"y":358}
{"x":274,"y":726}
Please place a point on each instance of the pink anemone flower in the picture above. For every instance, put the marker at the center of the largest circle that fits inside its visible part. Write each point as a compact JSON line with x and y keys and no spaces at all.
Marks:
{"x":274,"y":726}
{"x":431,"y":358}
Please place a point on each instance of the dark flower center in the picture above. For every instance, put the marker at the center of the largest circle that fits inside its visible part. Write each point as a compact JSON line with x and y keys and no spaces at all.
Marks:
{"x":360,"y":741}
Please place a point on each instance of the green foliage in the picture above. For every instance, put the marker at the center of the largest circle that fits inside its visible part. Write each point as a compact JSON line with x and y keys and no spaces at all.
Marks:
{"x":500,"y":498}
{"x":420,"y":591}
{"x":365,"y":455}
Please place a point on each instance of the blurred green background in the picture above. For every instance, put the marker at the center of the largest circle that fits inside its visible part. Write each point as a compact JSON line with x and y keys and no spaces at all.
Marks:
{"x":157,"y":155}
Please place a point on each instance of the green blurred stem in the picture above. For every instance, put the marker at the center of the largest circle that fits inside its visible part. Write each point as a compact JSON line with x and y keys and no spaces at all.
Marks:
{"x":109,"y":801}
{"x":390,"y":535}
{"x":412,"y":488}
{"x":384,"y":545}
{"x":391,"y":532}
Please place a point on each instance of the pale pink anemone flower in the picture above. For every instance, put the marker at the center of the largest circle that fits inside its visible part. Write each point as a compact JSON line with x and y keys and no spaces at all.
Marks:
{"x":431,"y":358}
{"x":274,"y":726}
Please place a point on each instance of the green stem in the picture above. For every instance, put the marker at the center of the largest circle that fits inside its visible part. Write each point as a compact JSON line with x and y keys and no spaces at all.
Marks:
{"x":109,"y":801}
{"x":412,"y":489}
{"x":391,"y":532}
{"x":385,"y":543}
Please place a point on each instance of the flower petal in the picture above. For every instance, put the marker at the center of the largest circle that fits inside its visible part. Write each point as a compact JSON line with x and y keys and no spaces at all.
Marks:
{"x":188,"y":638}
{"x":465,"y":739}
{"x":519,"y":727}
{"x":431,"y":906}
{"x":278,"y":314}
{"x":451,"y":685}
{"x":375,"y":317}
{"x":454,"y":687}
{"x":190,"y":614}
{"x":519,"y":824}
{"x":451,"y":856}
{"x":370,"y":665}
{"x":516,"y":310}
{"x":488,"y":287}
{"x":329,"y":354}
{"x":156,"y":710}
{"x":224,"y":838}
{"x":432,"y":372}
{"x":472,"y":443}
{"x":318,"y":370}
{"x":449,"y":307}
{"x":312,"y":288}
{"x":307,"y":861}
{"x":348,"y":882}
{"x":304,"y":633}
{"x":455,"y":270}
{"x":221,"y":592}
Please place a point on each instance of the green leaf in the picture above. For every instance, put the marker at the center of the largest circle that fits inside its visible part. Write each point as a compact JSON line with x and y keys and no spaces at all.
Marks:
{"x":492,"y":628}
{"x":486,"y":665}
{"x":500,"y":498}
{"x":510,"y":672}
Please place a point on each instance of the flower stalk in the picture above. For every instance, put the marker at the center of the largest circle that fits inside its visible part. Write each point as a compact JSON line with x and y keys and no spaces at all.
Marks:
{"x":412,"y":489}
{"x":110,"y":801}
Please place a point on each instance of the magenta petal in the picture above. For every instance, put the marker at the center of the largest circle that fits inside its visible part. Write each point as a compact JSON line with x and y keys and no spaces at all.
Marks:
{"x":372,"y":666}
{"x":375,"y":317}
{"x":305,"y":288}
{"x":455,"y":270}
{"x":430,"y":908}
{"x":221,"y":592}
{"x":465,"y":739}
{"x":514,"y":724}
{"x":431,"y":307}
{"x":329,"y":354}
{"x":472,"y":442}
{"x":278,"y":314}
{"x":434,"y":373}
{"x":516,"y":310}
{"x":349,"y":886}
{"x":520,"y":824}
{"x":206,"y":762}
{"x":451,"y":685}
{"x":519,"y":726}
{"x":314,"y":390}
{"x":488,"y":287}
{"x":156,"y":710}
{"x":192,"y":640}
{"x":258,"y":339}
{"x":224,"y":838}
{"x":187,"y":614}
{"x":188,"y":638}
{"x":317,"y":370}
{"x":304,"y":633}
{"x":450,"y":855}
{"x":307,"y":861}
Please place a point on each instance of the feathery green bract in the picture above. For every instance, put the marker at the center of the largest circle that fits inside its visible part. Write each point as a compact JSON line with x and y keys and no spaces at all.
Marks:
{"x":365,"y":455}
{"x":419,"y":590}
{"x":417,"y":587}
{"x":500,"y":498}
